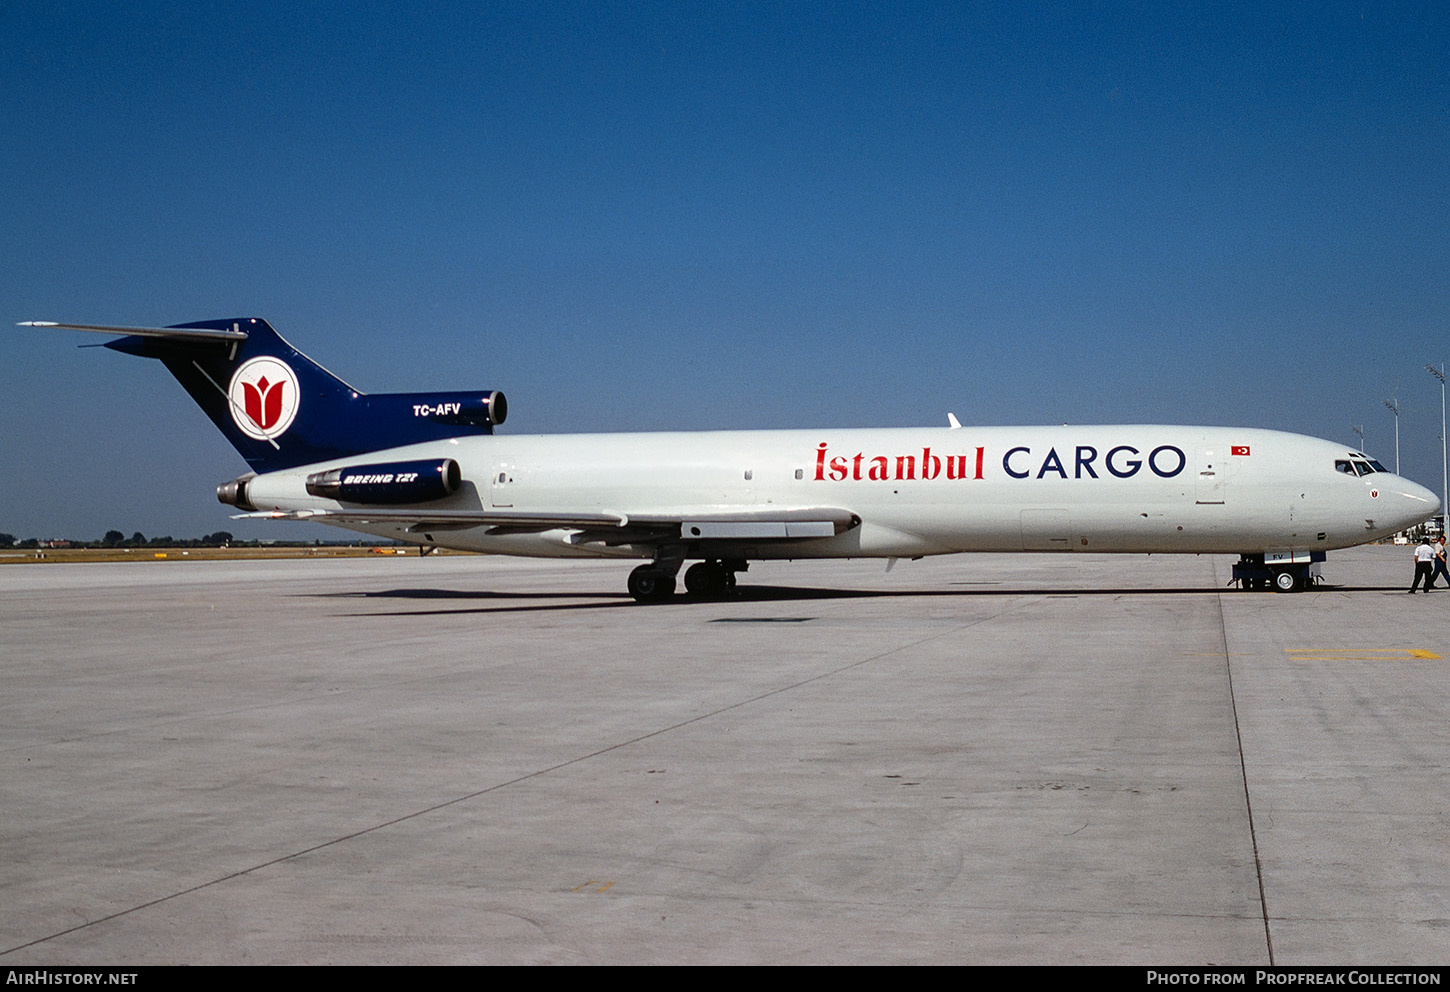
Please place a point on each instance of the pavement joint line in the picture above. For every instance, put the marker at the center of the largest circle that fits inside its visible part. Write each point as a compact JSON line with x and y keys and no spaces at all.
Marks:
{"x":1244,"y":772}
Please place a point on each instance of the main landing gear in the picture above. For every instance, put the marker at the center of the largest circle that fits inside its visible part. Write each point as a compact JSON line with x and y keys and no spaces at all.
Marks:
{"x":709,"y":579}
{"x":655,"y":582}
{"x":648,"y":584}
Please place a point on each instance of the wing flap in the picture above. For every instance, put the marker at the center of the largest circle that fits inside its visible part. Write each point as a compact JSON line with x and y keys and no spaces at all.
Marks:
{"x":756,"y":530}
{"x":446,"y":518}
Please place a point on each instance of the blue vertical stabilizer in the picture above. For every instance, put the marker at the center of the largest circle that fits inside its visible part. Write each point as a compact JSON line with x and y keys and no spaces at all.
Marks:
{"x":280,"y":409}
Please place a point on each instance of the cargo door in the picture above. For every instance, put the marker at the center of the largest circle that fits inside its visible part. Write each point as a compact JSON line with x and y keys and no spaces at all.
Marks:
{"x":501,"y":486}
{"x":1213,"y":465}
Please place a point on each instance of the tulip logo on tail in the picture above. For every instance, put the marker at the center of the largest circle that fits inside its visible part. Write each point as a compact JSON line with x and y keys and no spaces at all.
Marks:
{"x":263,"y":397}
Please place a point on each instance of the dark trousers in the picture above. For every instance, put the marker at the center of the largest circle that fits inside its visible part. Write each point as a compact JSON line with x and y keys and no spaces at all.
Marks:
{"x":1422,"y":571}
{"x":1439,"y":571}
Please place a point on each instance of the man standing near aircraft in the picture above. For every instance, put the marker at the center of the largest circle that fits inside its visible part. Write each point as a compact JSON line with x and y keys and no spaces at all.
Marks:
{"x":1424,"y":559}
{"x":1439,"y":549}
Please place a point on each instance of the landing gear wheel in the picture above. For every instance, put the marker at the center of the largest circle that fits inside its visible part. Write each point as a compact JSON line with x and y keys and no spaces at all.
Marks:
{"x":649,"y":586}
{"x":708,"y":580}
{"x":1287,"y":581}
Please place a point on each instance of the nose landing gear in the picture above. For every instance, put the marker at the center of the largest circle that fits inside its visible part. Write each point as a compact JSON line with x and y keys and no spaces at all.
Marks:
{"x":1280,"y":572}
{"x":1286,"y":580}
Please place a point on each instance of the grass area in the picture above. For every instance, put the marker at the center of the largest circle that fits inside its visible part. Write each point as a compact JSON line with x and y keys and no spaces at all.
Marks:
{"x":52,"y":556}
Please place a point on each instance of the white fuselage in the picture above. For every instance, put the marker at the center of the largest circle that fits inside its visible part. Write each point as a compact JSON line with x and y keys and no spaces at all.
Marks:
{"x":919,"y":491}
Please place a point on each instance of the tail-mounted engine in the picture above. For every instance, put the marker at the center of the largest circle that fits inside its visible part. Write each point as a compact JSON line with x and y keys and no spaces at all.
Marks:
{"x":481,"y":410}
{"x":234,"y":493}
{"x":388,"y":483}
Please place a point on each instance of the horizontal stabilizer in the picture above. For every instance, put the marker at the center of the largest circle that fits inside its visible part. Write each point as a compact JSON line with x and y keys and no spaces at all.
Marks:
{"x":172,"y":333}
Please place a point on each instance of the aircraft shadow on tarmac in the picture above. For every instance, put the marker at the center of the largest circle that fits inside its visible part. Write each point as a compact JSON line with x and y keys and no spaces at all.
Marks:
{"x":508,"y":602}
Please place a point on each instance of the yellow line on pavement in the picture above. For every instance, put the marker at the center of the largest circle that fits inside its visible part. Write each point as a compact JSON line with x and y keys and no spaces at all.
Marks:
{"x":1360,"y":654}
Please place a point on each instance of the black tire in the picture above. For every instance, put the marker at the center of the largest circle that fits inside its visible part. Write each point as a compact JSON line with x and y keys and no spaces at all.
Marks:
{"x":649,"y":586}
{"x":708,"y":580}
{"x":701,"y":580}
{"x":1287,"y":581}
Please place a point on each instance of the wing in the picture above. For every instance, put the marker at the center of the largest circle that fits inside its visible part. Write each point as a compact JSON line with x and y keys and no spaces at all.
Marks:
{"x":755,"y":524}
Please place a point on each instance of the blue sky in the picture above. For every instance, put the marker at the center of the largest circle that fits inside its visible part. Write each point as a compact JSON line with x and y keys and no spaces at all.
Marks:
{"x":647,"y":216}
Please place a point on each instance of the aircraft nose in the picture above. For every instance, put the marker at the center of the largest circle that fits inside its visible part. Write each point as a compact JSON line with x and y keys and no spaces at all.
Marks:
{"x":1411,"y":502}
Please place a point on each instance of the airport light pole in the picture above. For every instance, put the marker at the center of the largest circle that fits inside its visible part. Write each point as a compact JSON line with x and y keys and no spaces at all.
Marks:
{"x":1444,"y":460}
{"x":1360,"y":431}
{"x":1394,"y":407}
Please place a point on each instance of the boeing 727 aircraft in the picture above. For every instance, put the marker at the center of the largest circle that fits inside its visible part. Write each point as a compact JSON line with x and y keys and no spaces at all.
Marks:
{"x":427,"y":468}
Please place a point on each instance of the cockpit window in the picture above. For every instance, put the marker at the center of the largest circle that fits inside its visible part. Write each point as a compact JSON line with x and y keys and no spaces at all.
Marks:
{"x":1344,"y":466}
{"x":1364,"y":468}
{"x":1377,"y":466}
